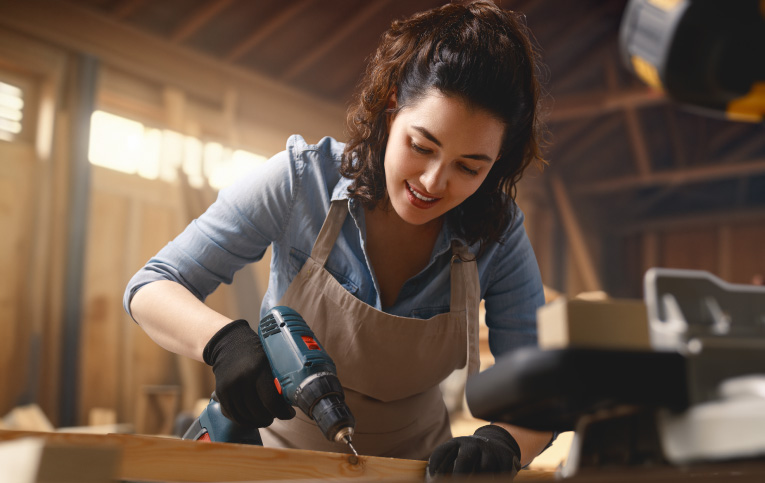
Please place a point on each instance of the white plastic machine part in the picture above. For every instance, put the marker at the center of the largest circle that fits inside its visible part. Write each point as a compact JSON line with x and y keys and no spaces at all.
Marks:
{"x":697,"y":314}
{"x":729,"y":428}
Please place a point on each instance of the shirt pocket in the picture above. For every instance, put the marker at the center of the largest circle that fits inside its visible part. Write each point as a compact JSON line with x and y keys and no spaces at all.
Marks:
{"x":428,"y":312}
{"x":298,"y":259}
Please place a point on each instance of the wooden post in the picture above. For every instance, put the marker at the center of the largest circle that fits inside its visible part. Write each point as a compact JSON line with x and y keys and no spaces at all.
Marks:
{"x":582,"y":257}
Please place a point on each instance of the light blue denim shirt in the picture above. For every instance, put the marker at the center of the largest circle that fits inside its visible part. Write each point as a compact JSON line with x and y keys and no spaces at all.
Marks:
{"x":283,"y":204}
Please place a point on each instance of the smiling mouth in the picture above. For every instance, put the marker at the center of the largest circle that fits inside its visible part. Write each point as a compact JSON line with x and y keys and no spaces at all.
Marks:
{"x":418,"y":195}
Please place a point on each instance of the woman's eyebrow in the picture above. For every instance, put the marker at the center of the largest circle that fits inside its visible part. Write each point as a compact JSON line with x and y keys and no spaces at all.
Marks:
{"x":428,"y":135}
{"x":434,"y":140}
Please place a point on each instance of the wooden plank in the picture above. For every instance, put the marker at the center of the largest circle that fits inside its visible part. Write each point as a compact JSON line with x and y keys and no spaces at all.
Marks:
{"x":695,"y":249}
{"x":747,"y":252}
{"x":15,"y":188}
{"x":649,"y":250}
{"x":34,"y":460}
{"x":102,"y":303}
{"x":145,"y":362}
{"x":153,"y":458}
{"x":724,"y":240}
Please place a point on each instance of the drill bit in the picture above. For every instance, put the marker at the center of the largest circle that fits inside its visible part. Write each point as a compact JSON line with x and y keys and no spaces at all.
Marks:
{"x":347,"y":439}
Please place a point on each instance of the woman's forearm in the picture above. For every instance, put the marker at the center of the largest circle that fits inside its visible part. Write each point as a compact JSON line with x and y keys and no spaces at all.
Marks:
{"x":175,"y":319}
{"x":531,"y":442}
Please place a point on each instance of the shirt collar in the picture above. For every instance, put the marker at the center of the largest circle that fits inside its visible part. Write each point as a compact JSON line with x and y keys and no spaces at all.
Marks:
{"x":341,"y":189}
{"x":445,"y":238}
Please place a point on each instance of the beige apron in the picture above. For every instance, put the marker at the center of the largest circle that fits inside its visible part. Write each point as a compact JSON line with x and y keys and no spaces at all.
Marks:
{"x":390,"y":366}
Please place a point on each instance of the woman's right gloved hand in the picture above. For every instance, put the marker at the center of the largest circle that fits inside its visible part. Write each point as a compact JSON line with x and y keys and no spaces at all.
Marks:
{"x":244,"y":381}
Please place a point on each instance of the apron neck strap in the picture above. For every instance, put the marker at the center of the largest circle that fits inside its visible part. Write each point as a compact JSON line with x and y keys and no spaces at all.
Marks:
{"x":465,"y":295}
{"x":338,"y":210}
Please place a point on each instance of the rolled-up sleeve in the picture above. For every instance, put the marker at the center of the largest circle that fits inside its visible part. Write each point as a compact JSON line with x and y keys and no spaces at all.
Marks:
{"x":234,"y":231}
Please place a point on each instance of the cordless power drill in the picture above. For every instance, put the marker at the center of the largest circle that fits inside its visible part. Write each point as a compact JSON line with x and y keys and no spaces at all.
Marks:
{"x":303,"y":373}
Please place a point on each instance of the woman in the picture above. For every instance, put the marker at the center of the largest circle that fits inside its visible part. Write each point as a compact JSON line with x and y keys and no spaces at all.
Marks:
{"x":385,"y":245}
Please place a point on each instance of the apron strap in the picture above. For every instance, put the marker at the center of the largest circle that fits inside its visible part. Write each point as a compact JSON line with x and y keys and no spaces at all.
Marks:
{"x":465,"y":284}
{"x":322,"y":247}
{"x":465,"y":295}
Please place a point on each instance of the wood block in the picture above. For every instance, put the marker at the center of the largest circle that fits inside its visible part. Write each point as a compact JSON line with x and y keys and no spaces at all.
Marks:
{"x":158,"y":459}
{"x":102,"y":416}
{"x":28,"y":418}
{"x":33,"y":460}
{"x":612,"y":323}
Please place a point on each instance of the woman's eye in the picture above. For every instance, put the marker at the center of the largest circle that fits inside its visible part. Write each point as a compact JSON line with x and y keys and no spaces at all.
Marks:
{"x":419,"y":149}
{"x":468,"y":170}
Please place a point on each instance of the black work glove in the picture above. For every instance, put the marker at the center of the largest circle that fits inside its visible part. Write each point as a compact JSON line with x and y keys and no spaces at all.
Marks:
{"x":244,"y":381}
{"x":491,"y":449}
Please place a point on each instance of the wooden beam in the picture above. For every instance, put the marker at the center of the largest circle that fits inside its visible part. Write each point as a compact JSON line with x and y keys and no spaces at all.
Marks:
{"x":198,"y":19}
{"x":148,"y":57}
{"x":678,"y":146}
{"x":637,"y":141}
{"x":258,"y":36}
{"x":677,"y":177}
{"x":125,"y":8}
{"x":576,"y":107}
{"x":323,"y":48}
{"x":744,"y":149}
{"x":686,"y":221}
{"x":582,"y":257}
{"x":582,"y":143}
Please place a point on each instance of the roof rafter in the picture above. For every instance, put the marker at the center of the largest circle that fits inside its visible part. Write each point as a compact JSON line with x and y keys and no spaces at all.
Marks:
{"x":125,"y":8}
{"x":281,"y":18}
{"x":677,"y":177}
{"x":198,"y":19}
{"x":323,"y":48}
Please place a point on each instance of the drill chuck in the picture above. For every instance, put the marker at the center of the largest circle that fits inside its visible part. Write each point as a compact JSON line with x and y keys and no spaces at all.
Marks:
{"x":321,"y":397}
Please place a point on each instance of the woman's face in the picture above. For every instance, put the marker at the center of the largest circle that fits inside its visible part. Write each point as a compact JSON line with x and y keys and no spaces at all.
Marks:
{"x":439,"y":151}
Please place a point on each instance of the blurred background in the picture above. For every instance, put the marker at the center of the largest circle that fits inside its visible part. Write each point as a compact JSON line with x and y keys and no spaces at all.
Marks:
{"x":120,"y":119}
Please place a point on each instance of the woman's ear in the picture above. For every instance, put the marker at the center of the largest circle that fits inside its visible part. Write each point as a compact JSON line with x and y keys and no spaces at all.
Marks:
{"x":392,"y":101}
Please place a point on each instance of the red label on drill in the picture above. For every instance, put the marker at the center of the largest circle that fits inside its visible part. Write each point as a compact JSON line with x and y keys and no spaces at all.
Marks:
{"x":278,"y":386}
{"x":310,"y":343}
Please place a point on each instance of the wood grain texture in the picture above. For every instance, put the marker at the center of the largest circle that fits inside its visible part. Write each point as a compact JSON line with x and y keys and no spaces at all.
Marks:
{"x":164,"y":459}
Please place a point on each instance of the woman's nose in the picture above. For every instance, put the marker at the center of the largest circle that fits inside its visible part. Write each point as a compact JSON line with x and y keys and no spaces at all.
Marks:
{"x":433,"y":178}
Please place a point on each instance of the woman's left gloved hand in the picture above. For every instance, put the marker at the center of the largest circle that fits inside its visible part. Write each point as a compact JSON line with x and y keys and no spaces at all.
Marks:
{"x":491,"y":449}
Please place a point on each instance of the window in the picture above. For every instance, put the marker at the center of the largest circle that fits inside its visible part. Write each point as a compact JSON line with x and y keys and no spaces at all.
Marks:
{"x":11,"y":111}
{"x":125,"y":145}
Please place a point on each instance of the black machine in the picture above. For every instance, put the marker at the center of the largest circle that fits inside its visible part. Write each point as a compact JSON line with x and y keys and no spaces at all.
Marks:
{"x":706,"y":54}
{"x":697,"y":396}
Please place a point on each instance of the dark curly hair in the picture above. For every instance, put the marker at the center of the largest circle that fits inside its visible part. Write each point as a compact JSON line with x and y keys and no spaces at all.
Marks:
{"x":477,"y":52}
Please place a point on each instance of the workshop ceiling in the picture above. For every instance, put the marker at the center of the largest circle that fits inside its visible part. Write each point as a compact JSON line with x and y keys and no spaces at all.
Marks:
{"x":624,"y":155}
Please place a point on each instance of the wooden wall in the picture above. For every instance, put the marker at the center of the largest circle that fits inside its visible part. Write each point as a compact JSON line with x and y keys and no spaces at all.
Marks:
{"x":732,"y":247}
{"x":128,"y":218}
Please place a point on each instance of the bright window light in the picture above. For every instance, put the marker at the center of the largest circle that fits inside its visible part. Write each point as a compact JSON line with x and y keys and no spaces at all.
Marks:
{"x":11,"y":111}
{"x":130,"y":147}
